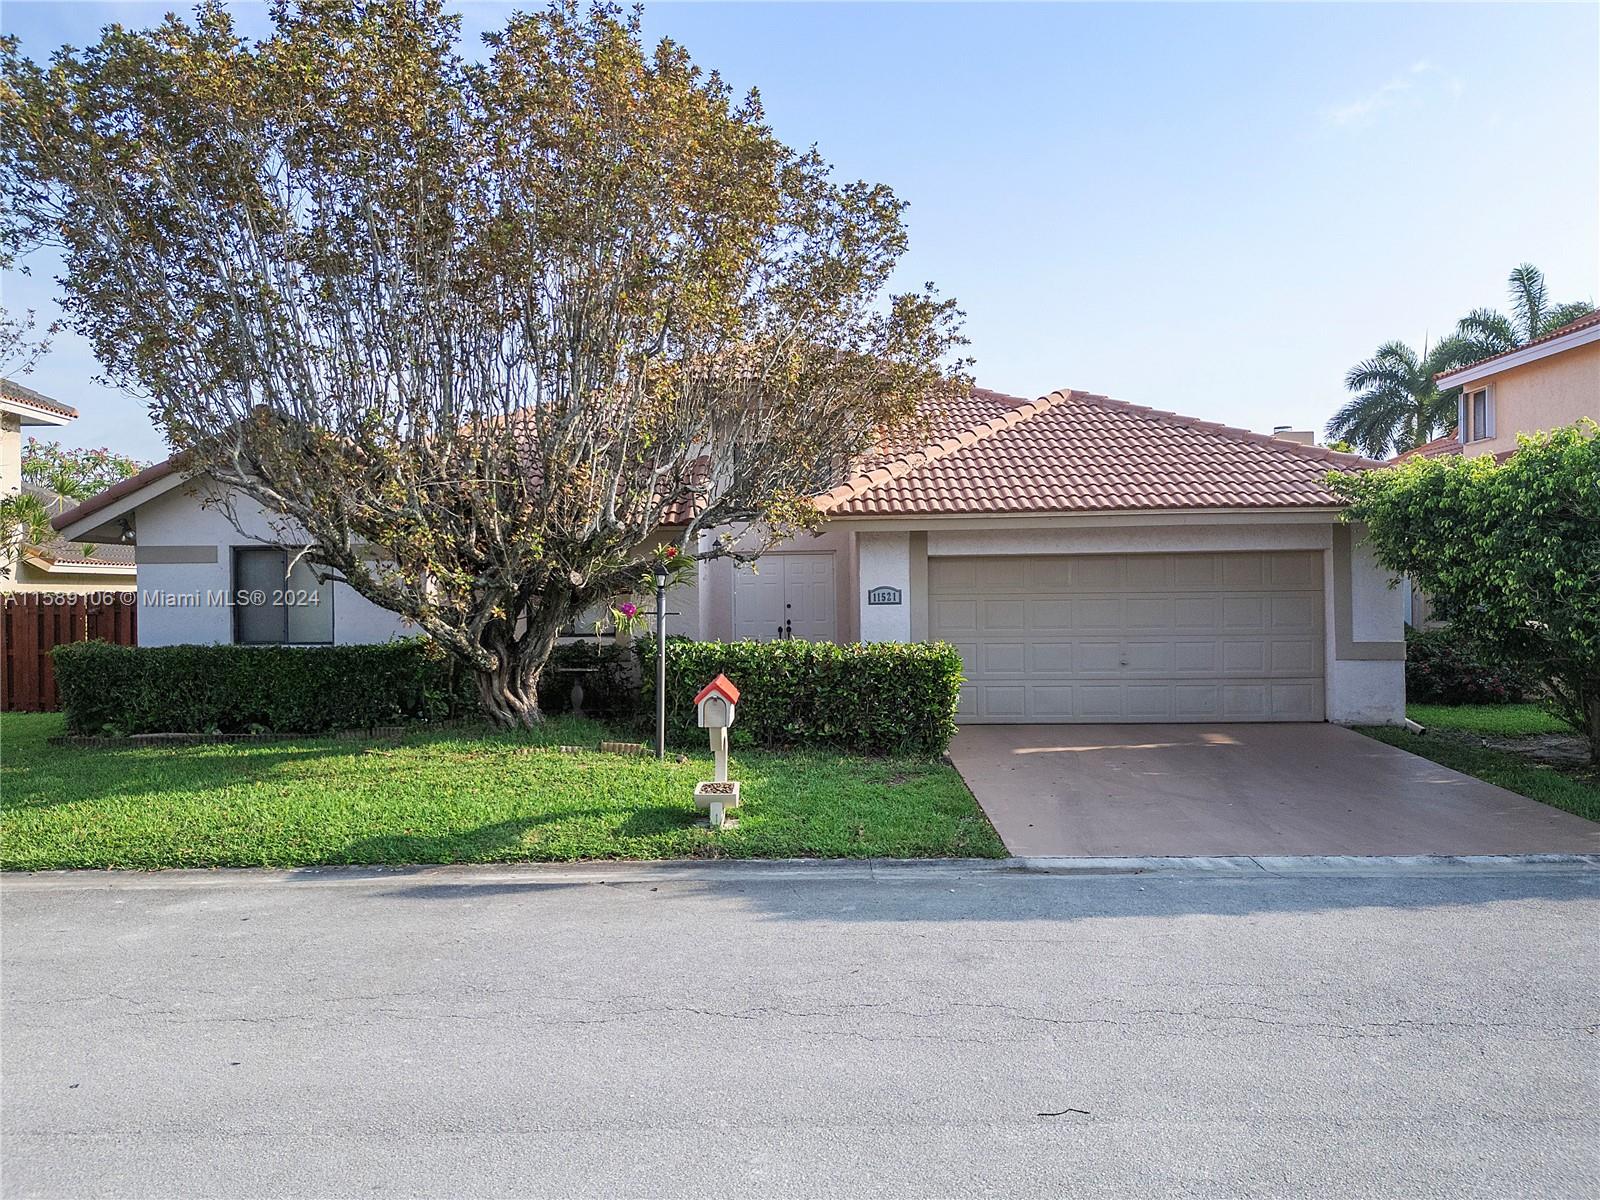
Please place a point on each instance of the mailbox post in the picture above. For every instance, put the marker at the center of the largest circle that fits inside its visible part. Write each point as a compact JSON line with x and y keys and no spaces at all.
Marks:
{"x":714,"y":707}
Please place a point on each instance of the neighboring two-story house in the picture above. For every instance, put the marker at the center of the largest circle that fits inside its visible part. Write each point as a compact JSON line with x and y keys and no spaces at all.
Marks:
{"x":52,"y":564}
{"x":1546,"y":384}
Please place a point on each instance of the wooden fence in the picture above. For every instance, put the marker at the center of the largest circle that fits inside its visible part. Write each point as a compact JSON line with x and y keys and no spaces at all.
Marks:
{"x":32,"y":622}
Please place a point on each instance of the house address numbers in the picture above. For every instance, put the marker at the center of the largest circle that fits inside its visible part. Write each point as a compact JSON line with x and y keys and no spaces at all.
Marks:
{"x":883,"y":595}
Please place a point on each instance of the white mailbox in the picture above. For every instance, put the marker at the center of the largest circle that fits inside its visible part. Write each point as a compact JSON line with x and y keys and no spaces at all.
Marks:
{"x":715,"y":707}
{"x":716,"y":702}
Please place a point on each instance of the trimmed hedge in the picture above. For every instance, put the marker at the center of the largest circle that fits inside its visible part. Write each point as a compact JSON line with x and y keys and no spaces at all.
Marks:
{"x":123,"y":690}
{"x":1443,"y":667}
{"x":876,"y":698}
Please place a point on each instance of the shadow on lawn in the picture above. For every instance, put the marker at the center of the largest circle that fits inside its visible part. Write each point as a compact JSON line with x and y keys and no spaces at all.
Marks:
{"x":502,"y":840}
{"x":146,"y":771}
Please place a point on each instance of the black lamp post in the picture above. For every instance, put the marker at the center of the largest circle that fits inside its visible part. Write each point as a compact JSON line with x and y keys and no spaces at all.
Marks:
{"x":661,"y":659}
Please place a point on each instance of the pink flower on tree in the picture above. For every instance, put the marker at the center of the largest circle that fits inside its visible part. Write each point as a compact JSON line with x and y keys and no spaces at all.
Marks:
{"x":628,"y":608}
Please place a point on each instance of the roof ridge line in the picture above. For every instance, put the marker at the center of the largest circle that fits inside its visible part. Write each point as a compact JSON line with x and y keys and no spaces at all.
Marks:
{"x":1167,"y":417}
{"x":933,"y":452}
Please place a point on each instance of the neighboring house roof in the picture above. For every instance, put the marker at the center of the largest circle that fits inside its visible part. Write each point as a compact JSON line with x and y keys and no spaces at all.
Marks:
{"x":1438,"y":448}
{"x":1077,"y":452}
{"x":62,"y":551}
{"x":1582,"y":332}
{"x":15,"y":394}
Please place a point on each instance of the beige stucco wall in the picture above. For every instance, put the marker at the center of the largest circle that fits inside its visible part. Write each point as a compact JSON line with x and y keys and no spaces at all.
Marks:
{"x":25,"y":577}
{"x":10,"y":453}
{"x":1542,"y":395}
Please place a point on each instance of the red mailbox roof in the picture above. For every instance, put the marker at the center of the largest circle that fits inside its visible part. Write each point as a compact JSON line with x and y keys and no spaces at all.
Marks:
{"x":721,"y":685}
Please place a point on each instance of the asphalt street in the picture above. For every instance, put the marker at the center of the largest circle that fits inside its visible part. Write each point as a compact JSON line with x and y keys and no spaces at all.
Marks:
{"x":731,"y":1030}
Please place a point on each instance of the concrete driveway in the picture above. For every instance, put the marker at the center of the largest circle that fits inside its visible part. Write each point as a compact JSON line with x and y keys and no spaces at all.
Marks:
{"x":1174,"y":790}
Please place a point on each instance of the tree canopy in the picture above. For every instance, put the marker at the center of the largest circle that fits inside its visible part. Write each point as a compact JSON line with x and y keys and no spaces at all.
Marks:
{"x":1507,"y":551}
{"x":74,"y":472}
{"x":485,"y":332}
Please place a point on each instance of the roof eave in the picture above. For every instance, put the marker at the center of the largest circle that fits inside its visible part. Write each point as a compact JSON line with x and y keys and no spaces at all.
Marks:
{"x":1519,"y":357}
{"x":119,"y":500}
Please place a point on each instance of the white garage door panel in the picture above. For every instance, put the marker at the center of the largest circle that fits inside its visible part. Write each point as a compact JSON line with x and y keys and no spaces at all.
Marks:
{"x":1134,"y":637}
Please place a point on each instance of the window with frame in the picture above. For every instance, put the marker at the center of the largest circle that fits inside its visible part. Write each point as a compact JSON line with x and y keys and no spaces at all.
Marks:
{"x":1478,"y":413}
{"x":276,"y":603}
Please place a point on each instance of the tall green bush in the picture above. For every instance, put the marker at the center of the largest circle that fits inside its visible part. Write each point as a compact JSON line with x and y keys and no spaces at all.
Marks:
{"x":126,"y":690}
{"x":1510,"y":550}
{"x":876,"y":698}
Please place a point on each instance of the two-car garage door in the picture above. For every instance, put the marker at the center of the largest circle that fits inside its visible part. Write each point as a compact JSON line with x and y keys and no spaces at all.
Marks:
{"x":1134,"y":637}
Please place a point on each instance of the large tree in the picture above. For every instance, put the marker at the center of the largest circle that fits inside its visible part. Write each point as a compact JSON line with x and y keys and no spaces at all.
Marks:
{"x":1509,"y":552}
{"x":484,"y":334}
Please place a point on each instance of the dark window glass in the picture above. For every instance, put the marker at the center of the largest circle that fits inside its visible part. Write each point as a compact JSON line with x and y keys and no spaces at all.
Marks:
{"x":274,"y":604}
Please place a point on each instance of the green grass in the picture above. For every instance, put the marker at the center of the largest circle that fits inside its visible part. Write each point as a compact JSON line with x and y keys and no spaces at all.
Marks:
{"x":455,"y":796}
{"x":1574,"y":791}
{"x":1492,"y":720}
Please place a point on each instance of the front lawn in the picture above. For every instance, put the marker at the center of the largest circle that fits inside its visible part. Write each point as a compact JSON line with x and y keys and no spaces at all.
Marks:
{"x":1492,"y":720}
{"x":1456,"y":738}
{"x":455,"y":796}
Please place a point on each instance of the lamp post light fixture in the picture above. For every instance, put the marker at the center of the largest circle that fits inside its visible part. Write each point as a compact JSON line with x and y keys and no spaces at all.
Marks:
{"x":661,"y":659}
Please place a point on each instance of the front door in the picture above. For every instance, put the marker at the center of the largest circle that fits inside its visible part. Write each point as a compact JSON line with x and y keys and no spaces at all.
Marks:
{"x":786,"y":595}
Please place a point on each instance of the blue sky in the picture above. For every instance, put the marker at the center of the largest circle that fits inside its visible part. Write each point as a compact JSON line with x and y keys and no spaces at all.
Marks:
{"x":1210,"y":208}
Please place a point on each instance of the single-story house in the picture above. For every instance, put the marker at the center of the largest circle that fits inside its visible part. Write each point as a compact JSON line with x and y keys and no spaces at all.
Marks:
{"x":1093,"y":560}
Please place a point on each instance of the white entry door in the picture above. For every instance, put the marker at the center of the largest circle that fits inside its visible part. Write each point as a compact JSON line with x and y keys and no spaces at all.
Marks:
{"x":785,"y":595}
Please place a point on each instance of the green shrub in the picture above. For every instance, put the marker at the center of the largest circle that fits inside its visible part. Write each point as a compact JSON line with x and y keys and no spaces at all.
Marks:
{"x":1443,"y":667}
{"x":125,"y":690}
{"x":877,"y":698}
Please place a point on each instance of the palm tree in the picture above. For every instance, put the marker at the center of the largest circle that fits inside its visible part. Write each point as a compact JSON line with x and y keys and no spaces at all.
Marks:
{"x":1484,"y":332}
{"x":1396,"y":406}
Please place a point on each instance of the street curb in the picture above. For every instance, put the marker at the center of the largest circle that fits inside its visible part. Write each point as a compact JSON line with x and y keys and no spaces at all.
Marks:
{"x":822,"y":870}
{"x":1312,"y":864}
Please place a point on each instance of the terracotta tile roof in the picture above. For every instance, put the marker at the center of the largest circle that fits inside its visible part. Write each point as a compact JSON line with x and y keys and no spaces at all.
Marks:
{"x":995,"y":412}
{"x":18,"y":394}
{"x":1438,"y":448}
{"x":1587,"y":321}
{"x":1077,"y":452}
{"x":941,"y":418}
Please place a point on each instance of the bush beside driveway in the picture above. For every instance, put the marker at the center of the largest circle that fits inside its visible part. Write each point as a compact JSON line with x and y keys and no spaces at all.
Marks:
{"x":457,"y":796}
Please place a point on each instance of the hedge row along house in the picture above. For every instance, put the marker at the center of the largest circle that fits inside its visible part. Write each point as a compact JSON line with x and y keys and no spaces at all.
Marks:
{"x":1092,"y":560}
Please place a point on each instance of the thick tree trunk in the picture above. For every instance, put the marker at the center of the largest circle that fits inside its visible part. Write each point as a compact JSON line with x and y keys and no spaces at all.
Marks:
{"x":509,"y":693}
